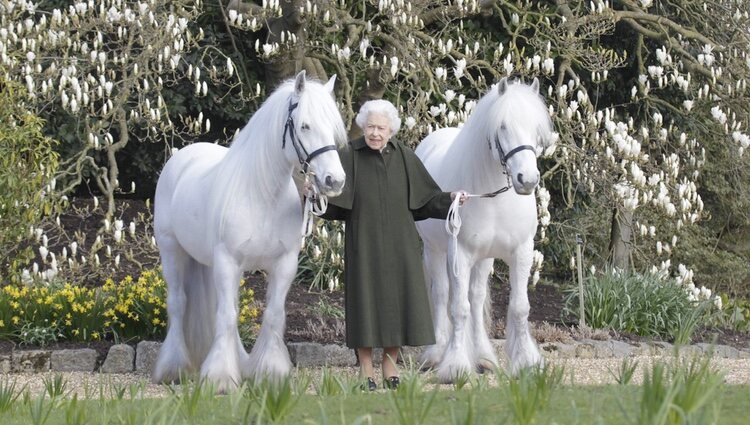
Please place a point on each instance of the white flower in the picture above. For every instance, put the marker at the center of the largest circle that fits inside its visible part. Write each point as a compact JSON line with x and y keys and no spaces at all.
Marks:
{"x":688,"y":105}
{"x":410,"y":122}
{"x":43,"y":251}
{"x":458,"y":70}
{"x":717,"y":302}
{"x":449,"y":95}
{"x":440,"y":73}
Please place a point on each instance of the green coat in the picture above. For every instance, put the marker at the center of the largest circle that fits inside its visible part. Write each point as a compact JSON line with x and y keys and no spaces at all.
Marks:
{"x":387,"y":303}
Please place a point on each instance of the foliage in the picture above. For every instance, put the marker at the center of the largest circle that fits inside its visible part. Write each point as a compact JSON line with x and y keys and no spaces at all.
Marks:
{"x":411,"y":402}
{"x":681,"y":394}
{"x":129,"y":309}
{"x":321,"y":261}
{"x":735,"y":314}
{"x":647,"y":98}
{"x":73,"y":247}
{"x":99,"y":71}
{"x":27,"y":166}
{"x":692,"y":388}
{"x":642,"y":304}
{"x":530,"y":392}
{"x":625,"y":372}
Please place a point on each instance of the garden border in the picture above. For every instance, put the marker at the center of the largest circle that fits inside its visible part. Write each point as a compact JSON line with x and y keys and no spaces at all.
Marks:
{"x":123,"y":358}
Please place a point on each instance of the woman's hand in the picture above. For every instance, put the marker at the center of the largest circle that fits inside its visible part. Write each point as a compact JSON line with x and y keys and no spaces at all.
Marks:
{"x":462,"y":194}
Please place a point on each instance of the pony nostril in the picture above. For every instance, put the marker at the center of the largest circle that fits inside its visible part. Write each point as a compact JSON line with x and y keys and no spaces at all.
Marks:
{"x":329,"y":181}
{"x":520,"y":178}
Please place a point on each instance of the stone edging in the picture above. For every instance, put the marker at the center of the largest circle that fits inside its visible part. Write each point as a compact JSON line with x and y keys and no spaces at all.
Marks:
{"x":122,"y":358}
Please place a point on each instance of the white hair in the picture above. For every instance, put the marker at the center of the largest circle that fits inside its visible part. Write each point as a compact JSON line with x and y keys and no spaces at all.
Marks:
{"x":379,"y":106}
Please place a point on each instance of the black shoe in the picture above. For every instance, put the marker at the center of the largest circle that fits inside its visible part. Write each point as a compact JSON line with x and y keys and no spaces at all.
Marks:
{"x":391,"y":383}
{"x":370,"y":385}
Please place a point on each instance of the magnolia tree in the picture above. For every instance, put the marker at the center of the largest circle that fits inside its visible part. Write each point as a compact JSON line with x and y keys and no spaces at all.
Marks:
{"x":105,"y":65}
{"x":103,"y":68}
{"x":640,"y":93}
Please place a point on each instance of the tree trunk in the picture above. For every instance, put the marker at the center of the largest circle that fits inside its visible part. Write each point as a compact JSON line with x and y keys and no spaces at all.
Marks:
{"x":620,"y":238}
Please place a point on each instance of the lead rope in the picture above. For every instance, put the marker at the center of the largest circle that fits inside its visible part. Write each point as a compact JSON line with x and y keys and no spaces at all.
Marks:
{"x":453,"y":220}
{"x":453,"y":226}
{"x":315,"y":205}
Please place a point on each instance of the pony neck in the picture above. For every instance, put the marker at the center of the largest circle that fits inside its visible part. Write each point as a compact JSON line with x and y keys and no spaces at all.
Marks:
{"x":256,"y":159}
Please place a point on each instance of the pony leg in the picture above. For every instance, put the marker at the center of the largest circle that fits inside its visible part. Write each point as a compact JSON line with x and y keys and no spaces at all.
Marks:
{"x":174,"y":358}
{"x":221,"y":366}
{"x":456,"y":360}
{"x":437,"y":281}
{"x":484,"y":353}
{"x":520,"y":346}
{"x":269,"y":358}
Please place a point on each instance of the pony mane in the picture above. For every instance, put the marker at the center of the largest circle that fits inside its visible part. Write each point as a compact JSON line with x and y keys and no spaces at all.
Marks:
{"x":255,"y":164}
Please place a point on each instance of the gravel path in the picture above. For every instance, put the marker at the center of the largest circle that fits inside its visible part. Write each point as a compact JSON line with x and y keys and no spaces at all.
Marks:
{"x":578,"y":371}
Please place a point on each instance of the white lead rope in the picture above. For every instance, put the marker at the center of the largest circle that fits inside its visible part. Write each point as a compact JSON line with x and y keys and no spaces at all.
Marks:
{"x":453,"y":226}
{"x":315,"y":205}
{"x":453,"y":221}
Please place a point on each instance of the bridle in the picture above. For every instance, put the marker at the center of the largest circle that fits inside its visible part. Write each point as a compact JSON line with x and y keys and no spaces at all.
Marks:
{"x":297,"y":143}
{"x":504,"y":161}
{"x":317,"y":203}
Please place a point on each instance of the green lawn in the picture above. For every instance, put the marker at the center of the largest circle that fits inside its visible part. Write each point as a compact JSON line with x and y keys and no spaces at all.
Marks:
{"x":567,"y":405}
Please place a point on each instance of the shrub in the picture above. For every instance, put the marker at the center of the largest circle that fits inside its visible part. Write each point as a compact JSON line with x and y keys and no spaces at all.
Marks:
{"x":130,"y":309}
{"x":642,"y":304}
{"x":27,"y":164}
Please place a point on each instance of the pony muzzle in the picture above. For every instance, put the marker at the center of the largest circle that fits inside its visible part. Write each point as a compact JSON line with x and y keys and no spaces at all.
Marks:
{"x":331,"y":185}
{"x":525,"y":183}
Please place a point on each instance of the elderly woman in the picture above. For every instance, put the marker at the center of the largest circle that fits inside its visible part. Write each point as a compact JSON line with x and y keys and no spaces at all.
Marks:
{"x":387,"y":189}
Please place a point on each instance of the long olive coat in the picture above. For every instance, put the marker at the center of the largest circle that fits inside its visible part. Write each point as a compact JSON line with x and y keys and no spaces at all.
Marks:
{"x":386,"y":298}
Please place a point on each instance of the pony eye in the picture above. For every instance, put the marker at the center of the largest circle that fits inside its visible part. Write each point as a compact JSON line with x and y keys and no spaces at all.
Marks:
{"x":305,"y":126}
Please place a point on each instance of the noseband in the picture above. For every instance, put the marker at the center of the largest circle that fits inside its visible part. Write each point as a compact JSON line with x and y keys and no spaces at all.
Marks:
{"x":297,"y":143}
{"x":504,"y":160}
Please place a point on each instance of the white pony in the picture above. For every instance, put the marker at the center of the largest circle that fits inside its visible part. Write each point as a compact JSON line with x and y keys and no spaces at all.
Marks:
{"x":220,"y":211}
{"x":497,"y":145}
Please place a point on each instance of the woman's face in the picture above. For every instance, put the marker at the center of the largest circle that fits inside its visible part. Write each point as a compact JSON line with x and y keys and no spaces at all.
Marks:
{"x":377,"y":130}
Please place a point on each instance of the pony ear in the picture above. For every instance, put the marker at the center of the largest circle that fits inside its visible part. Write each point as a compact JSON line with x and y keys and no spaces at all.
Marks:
{"x":299,"y":82}
{"x":329,"y":85}
{"x":535,"y":85}
{"x":502,"y":86}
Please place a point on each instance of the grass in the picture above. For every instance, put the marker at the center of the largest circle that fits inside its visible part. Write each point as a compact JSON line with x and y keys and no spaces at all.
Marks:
{"x":683,"y":391}
{"x":578,"y":404}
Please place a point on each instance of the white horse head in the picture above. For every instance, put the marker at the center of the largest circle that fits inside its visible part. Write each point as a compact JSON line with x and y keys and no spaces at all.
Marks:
{"x":311,"y":125}
{"x":517,"y":128}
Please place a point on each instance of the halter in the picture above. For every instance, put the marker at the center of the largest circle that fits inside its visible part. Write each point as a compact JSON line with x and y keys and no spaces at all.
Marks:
{"x":316,"y":203}
{"x":297,"y":143}
{"x":504,"y":161}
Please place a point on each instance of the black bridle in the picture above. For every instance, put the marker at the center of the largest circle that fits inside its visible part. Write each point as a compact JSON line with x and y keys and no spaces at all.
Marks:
{"x":504,"y":161}
{"x":297,"y":143}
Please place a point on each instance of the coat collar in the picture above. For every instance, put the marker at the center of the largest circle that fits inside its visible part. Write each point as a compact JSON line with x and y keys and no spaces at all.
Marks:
{"x":359,"y":143}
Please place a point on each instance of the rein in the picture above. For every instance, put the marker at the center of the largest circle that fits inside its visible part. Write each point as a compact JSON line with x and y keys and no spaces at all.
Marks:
{"x":315,"y":203}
